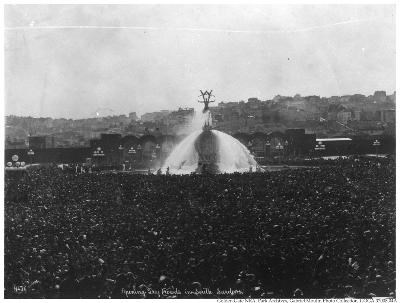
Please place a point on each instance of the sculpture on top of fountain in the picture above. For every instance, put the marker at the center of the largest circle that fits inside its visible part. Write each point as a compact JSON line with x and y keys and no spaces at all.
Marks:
{"x":206,"y":95}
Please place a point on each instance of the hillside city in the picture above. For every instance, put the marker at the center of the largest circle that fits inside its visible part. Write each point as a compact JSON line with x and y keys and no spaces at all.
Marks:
{"x":324,"y":116}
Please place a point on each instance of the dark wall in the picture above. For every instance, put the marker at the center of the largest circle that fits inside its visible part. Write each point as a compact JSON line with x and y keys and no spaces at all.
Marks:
{"x":299,"y":143}
{"x":50,"y":155}
{"x":359,"y":146}
{"x":37,"y":142}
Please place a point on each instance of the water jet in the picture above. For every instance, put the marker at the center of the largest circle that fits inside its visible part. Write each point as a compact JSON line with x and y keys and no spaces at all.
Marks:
{"x":208,"y":150}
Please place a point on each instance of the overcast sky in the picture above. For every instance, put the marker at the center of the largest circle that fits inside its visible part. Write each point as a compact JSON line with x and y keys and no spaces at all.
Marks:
{"x":74,"y":60}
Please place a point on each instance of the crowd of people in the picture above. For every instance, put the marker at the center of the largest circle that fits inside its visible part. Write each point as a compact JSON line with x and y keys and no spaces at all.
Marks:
{"x":318,"y":232}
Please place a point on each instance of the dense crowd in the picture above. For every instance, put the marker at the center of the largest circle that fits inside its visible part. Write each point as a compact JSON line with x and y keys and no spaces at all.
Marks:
{"x":314,"y":232}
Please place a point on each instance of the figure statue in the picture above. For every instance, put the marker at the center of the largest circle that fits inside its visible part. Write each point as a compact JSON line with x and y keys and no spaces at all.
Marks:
{"x":206,"y":99}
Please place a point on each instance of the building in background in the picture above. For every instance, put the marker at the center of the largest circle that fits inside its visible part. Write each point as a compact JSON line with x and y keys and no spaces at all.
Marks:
{"x":133,"y":116}
{"x":380,"y":96}
{"x":344,"y":117}
{"x":357,"y":115}
{"x":155,"y":116}
{"x":388,"y":116}
{"x":334,"y":146}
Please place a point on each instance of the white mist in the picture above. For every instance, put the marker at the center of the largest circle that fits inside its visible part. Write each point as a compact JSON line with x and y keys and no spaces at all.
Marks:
{"x":232,"y":155}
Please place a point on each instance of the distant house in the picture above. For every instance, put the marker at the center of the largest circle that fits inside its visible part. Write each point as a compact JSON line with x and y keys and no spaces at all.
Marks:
{"x":388,"y":115}
{"x":380,"y":96}
{"x":344,"y":116}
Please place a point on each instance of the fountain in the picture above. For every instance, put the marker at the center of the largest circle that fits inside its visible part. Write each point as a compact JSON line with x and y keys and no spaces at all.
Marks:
{"x":207,"y":150}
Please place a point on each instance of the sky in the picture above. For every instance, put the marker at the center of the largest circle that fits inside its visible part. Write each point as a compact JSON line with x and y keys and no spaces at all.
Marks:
{"x":74,"y":61}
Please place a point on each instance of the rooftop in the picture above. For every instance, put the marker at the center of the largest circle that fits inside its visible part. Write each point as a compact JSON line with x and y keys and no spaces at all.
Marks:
{"x":332,"y":139}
